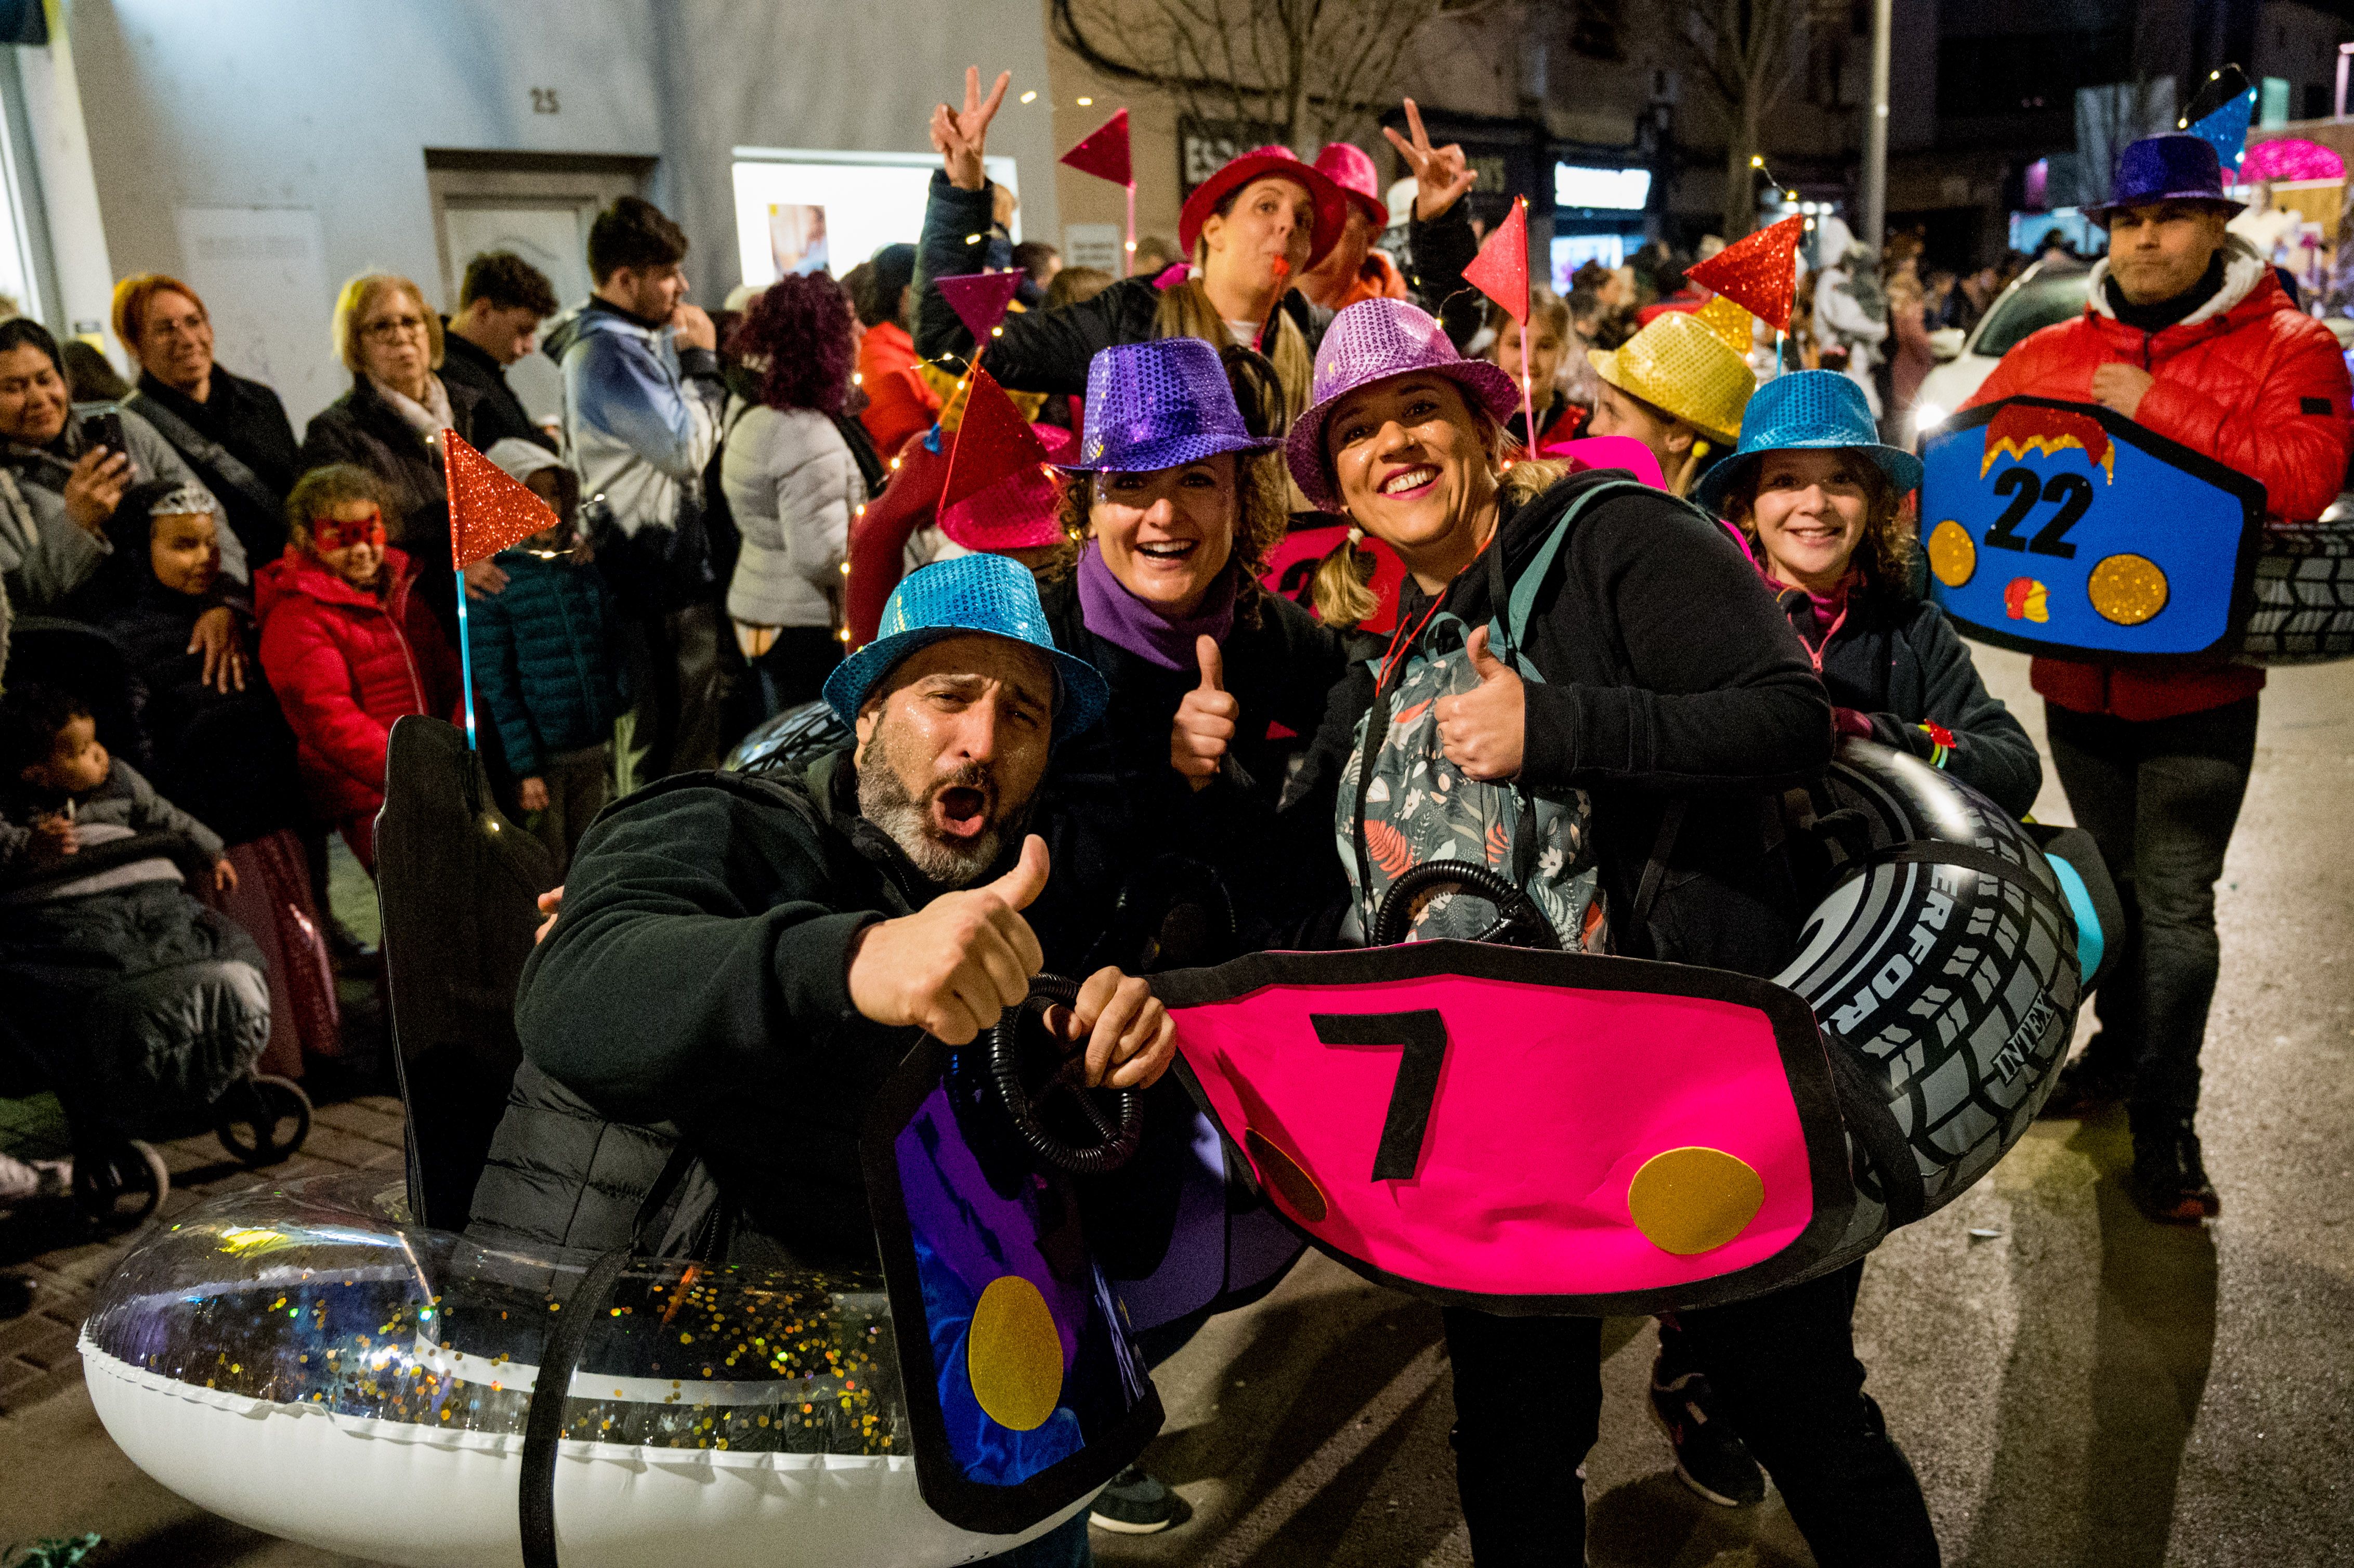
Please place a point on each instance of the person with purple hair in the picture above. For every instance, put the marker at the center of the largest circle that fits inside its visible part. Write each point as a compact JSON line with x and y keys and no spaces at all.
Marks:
{"x":792,"y":479}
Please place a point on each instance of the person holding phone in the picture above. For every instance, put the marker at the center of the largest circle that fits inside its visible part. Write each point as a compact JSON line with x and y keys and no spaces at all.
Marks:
{"x":68,"y":470}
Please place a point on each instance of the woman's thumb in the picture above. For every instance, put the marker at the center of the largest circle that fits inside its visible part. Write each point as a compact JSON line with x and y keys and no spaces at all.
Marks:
{"x":1485,"y":665}
{"x":1214,"y":663}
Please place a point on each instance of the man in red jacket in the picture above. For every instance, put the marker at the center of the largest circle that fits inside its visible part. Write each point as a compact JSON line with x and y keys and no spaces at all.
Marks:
{"x":2188,"y":333}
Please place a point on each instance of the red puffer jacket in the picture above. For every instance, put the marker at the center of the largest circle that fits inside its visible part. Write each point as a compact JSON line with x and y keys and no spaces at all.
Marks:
{"x":2246,"y":379}
{"x":344,"y":664}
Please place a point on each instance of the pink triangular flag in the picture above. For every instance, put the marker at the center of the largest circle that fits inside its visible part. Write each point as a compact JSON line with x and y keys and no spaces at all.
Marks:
{"x":1501,"y":269}
{"x":1103,"y":151}
{"x":489,"y":510}
{"x":980,"y":300}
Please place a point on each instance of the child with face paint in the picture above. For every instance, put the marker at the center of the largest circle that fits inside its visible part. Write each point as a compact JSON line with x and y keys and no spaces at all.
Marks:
{"x":348,"y":645}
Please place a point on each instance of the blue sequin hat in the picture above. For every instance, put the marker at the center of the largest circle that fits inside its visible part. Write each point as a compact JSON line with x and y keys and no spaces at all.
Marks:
{"x":1159,"y":404}
{"x":2165,"y":168}
{"x":1807,"y":408}
{"x":986,"y":594}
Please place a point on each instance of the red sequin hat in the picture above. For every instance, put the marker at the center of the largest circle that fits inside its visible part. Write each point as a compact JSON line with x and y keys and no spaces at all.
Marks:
{"x":1260,"y":163}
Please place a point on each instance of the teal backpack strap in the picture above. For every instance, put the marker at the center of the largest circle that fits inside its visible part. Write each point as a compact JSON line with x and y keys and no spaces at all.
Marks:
{"x":1520,"y":600}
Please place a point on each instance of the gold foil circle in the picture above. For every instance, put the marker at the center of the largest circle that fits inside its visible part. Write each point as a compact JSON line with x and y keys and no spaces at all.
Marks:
{"x":2127,"y":589}
{"x":1693,"y":1199}
{"x":1013,"y":1354}
{"x":1953,"y":554}
{"x":1279,"y":1170}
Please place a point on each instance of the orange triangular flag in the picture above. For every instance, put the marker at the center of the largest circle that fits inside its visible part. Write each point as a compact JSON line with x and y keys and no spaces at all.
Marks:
{"x":992,"y":440}
{"x":1500,"y":271}
{"x":488,"y":510}
{"x":1760,"y":271}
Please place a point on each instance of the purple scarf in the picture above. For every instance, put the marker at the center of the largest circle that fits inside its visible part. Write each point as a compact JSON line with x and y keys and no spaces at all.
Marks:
{"x":1121,"y":619}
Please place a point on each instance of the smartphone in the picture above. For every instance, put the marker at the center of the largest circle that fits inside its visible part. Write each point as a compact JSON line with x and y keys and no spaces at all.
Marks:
{"x":105,"y":430}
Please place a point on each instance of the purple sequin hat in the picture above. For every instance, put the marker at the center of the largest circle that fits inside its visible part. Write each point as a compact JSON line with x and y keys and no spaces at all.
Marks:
{"x":1159,"y":404}
{"x":2165,"y":168}
{"x":1372,"y":341}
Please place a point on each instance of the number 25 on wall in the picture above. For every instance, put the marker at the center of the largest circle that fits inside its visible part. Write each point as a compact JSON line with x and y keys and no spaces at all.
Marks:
{"x":543,"y":100}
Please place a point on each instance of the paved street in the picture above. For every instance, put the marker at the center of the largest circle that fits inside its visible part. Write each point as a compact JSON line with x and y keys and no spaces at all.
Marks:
{"x":2074,"y":1385}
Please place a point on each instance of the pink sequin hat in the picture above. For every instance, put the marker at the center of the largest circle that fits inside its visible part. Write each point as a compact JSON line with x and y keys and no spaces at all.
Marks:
{"x":1020,"y":511}
{"x":1374,"y":339}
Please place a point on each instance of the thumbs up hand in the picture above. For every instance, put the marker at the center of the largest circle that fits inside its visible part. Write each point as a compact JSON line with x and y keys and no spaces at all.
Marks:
{"x":1482,"y":730}
{"x":1205,"y":720}
{"x":954,"y":965}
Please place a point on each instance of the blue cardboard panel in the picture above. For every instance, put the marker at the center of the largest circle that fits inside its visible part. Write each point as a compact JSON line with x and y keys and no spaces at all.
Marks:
{"x":2067,"y":529}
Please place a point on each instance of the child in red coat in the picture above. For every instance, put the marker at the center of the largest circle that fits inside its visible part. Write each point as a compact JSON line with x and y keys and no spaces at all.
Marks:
{"x":348,"y":644}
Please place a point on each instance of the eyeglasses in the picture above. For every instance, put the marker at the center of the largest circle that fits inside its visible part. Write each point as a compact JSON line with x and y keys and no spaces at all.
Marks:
{"x":393,"y":327}
{"x":340,"y":534}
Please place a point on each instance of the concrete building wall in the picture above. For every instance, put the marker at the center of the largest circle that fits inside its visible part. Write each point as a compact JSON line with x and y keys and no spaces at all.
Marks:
{"x":328,"y":107}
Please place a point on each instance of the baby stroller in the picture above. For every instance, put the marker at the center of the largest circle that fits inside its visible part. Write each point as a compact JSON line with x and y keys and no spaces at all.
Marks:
{"x":135,"y":1006}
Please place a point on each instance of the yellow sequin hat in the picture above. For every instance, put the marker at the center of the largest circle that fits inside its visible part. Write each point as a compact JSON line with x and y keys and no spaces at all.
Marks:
{"x":1676,"y":364}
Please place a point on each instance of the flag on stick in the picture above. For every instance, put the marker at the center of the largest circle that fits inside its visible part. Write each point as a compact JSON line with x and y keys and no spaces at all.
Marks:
{"x":980,"y":300}
{"x":993,"y":442}
{"x":1500,"y":271}
{"x":1760,"y":271}
{"x":1103,"y":153}
{"x":489,"y":510}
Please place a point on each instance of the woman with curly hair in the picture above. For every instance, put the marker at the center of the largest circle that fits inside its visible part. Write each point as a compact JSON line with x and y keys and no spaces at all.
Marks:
{"x":793,"y":484}
{"x":1818,"y":497}
{"x":1172,"y":507}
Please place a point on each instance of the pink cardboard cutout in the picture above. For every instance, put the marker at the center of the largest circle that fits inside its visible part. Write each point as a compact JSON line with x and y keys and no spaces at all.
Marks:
{"x":980,"y":300}
{"x":1560,"y":1076}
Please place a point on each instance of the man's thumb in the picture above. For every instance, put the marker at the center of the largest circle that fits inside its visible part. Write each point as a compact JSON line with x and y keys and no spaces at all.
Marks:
{"x":1214,"y":663}
{"x":1018,"y":887}
{"x":1484,"y":664}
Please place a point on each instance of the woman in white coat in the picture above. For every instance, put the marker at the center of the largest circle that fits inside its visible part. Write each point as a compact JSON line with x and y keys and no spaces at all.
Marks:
{"x":793,"y":484}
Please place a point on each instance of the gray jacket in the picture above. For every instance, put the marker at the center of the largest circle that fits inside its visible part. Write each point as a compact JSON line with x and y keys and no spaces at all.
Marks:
{"x":45,"y":554}
{"x":126,"y":804}
{"x":793,"y":486}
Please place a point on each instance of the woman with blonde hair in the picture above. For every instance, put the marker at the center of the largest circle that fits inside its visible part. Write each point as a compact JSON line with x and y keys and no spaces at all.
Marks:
{"x":1677,"y":387}
{"x":390,"y":424}
{"x":1252,"y":230}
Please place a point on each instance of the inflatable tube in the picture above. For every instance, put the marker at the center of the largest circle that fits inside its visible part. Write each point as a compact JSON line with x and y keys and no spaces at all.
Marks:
{"x":793,"y":738}
{"x":1943,"y":966}
{"x":306,"y":1361}
{"x":1545,"y":1132}
{"x":2304,"y":612}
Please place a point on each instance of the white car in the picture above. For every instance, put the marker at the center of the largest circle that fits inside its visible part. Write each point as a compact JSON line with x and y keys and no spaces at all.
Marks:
{"x":2046,"y":292}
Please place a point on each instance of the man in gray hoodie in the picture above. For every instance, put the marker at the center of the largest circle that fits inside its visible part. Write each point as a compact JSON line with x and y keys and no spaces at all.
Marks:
{"x":642,"y":401}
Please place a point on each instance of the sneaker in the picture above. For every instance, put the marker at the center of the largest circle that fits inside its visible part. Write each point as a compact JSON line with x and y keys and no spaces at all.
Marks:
{"x":23,"y":1181}
{"x":2086,"y":1087}
{"x":2170,"y":1182}
{"x":1134,"y":1504}
{"x":1710,"y":1457}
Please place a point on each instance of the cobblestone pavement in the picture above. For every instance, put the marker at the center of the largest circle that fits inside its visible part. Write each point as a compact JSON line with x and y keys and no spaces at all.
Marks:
{"x":2076,"y":1386}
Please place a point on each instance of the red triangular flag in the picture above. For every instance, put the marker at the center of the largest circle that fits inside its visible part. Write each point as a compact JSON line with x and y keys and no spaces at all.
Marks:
{"x":488,"y":510}
{"x":980,"y":300}
{"x":993,"y":442}
{"x":1501,"y":269}
{"x":1759,"y":272}
{"x":1103,"y":151}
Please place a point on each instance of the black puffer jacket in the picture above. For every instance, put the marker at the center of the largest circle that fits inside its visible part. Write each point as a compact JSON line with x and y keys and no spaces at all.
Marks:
{"x":696,"y":987}
{"x":1048,"y":351}
{"x":1896,"y":660}
{"x":1669,"y":675}
{"x":1112,"y":806}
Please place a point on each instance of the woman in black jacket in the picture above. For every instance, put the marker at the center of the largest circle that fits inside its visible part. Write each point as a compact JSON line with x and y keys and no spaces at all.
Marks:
{"x":1251,"y":230}
{"x":1648,"y":674}
{"x":390,"y":423}
{"x":1215,"y":683}
{"x":1818,"y":496}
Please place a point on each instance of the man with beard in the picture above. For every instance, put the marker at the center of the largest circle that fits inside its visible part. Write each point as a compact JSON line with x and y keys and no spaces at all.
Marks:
{"x":741,"y":961}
